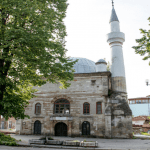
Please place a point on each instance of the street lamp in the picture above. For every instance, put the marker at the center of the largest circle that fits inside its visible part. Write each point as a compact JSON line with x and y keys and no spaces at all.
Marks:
{"x":147,"y":83}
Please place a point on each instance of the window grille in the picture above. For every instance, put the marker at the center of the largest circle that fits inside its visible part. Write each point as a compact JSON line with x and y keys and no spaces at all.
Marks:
{"x":98,"y":108}
{"x":62,"y":106}
{"x":86,"y":108}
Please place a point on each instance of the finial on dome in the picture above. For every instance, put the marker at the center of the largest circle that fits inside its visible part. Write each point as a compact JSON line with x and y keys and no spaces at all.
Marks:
{"x":112,"y":3}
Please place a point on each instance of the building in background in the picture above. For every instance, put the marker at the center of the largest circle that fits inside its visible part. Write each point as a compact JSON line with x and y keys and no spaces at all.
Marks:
{"x":7,"y":124}
{"x":141,"y":124}
{"x":140,"y":106}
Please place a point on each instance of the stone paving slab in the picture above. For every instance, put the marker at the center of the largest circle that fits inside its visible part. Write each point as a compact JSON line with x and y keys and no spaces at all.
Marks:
{"x":105,"y":144}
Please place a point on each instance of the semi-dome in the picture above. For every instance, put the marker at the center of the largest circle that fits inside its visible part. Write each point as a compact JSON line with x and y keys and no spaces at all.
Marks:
{"x":101,"y":61}
{"x":83,"y":65}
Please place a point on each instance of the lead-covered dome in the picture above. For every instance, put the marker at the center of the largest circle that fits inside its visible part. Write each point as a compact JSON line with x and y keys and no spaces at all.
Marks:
{"x":83,"y":65}
{"x":101,"y":61}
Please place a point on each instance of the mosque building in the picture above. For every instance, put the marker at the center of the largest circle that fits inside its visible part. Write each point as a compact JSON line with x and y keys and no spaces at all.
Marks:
{"x":95,"y":104}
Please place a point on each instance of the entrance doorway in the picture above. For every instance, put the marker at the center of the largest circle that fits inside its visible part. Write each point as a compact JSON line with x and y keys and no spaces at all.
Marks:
{"x":37,"y":127}
{"x":61,"y":129}
{"x":85,"y":128}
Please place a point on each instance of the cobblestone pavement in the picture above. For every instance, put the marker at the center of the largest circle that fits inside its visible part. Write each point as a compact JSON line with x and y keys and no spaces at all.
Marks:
{"x":137,"y":144}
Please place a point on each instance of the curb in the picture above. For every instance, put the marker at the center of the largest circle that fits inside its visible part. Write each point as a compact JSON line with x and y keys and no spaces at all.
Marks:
{"x":68,"y":147}
{"x":59,"y":147}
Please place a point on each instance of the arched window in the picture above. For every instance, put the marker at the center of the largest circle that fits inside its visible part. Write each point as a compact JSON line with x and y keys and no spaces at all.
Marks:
{"x":98,"y":108}
{"x":38,"y":108}
{"x":62,"y":106}
{"x":86,"y":108}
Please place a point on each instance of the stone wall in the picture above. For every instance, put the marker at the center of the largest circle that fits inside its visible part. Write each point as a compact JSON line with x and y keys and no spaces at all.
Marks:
{"x":91,"y":88}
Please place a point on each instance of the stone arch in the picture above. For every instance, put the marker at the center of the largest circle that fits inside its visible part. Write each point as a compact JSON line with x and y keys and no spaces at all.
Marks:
{"x":60,"y":129}
{"x":63,"y":97}
{"x":37,"y":127}
{"x":86,"y":128}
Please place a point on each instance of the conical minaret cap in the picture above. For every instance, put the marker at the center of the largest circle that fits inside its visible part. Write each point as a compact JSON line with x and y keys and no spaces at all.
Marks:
{"x":113,"y":16}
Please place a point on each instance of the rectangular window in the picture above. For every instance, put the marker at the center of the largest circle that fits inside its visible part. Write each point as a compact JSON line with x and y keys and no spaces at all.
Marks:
{"x":93,"y":82}
{"x":2,"y":125}
{"x":10,"y":125}
{"x":98,"y":108}
{"x":86,"y":108}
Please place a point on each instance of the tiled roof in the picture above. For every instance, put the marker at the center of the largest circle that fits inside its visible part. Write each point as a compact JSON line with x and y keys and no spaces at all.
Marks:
{"x":146,"y":125}
{"x":139,"y":118}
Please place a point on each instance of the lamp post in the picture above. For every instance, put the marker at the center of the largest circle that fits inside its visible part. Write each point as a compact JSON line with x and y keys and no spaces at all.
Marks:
{"x":147,"y":83}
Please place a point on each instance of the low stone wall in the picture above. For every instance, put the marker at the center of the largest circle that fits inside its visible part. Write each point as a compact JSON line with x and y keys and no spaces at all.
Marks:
{"x":137,"y":130}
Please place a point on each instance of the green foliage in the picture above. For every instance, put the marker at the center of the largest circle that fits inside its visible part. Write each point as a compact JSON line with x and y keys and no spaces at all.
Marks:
{"x":134,"y":137}
{"x":144,"y":133}
{"x":108,"y":66}
{"x":31,"y":42}
{"x":7,"y":140}
{"x":143,"y":47}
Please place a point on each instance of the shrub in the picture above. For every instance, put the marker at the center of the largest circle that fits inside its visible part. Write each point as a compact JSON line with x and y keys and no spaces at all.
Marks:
{"x":1,"y":143}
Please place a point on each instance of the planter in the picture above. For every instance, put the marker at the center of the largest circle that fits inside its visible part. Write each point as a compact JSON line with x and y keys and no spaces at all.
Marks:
{"x":53,"y":142}
{"x":71,"y":143}
{"x":37,"y":141}
{"x":89,"y":144}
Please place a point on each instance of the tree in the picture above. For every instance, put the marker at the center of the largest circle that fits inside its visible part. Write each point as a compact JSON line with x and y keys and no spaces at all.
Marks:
{"x":32,"y":36}
{"x":143,"y":47}
{"x":108,"y":66}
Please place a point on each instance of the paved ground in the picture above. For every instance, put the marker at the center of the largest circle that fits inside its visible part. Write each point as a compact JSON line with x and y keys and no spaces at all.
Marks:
{"x":137,"y":144}
{"x":29,"y":148}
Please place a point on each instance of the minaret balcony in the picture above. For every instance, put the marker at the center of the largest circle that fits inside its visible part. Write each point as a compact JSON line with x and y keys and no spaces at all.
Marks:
{"x":114,"y":37}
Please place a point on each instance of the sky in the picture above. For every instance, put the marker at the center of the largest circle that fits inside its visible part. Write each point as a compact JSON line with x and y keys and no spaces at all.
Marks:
{"x":87,"y":24}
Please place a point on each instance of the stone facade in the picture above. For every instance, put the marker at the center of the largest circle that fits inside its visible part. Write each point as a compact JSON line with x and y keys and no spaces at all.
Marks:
{"x":114,"y":120}
{"x":81,"y":90}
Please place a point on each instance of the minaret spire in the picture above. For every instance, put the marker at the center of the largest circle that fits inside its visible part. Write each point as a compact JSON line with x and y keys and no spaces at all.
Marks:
{"x":113,"y":14}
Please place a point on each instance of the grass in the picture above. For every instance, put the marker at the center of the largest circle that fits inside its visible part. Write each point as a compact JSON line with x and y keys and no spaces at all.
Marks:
{"x":7,"y":140}
{"x":134,"y":137}
{"x":144,"y":133}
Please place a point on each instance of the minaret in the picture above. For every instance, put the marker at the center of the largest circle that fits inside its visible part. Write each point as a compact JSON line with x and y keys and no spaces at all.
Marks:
{"x":118,"y":115}
{"x":115,"y":39}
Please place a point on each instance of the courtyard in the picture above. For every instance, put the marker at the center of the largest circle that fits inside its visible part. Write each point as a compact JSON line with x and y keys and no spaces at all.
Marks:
{"x":138,"y":144}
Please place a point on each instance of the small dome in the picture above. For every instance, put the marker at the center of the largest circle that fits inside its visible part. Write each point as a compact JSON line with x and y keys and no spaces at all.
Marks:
{"x":101,"y":61}
{"x":83,"y":65}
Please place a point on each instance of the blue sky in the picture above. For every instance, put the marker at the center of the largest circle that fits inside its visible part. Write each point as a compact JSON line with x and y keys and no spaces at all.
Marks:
{"x":87,"y":24}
